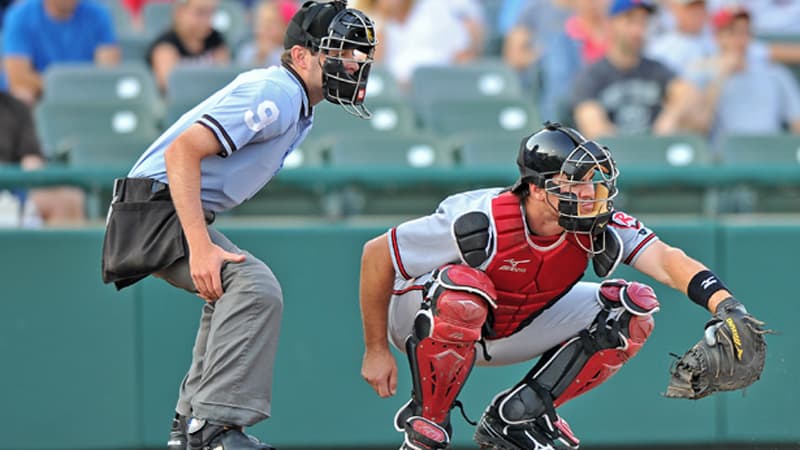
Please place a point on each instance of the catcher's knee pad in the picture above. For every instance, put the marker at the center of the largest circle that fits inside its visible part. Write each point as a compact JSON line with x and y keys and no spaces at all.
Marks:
{"x":441,"y":348}
{"x":588,"y":359}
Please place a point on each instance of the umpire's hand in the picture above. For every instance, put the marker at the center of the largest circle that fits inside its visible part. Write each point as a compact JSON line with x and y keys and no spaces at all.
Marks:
{"x":205,"y":264}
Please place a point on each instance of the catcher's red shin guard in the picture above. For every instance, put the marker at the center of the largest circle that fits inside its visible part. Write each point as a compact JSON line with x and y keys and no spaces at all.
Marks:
{"x":634,"y":324}
{"x":586,"y":360}
{"x":441,"y":348}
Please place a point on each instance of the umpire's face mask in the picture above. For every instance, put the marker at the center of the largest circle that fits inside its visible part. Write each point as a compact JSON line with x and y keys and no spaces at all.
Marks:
{"x":348,"y":50}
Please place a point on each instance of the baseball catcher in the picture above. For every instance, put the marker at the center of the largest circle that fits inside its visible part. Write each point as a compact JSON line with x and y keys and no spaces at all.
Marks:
{"x":730,"y":355}
{"x":495,"y":277}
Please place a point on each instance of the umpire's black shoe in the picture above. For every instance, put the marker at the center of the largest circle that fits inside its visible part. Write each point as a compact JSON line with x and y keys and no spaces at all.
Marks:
{"x":177,"y":433}
{"x":207,"y":436}
{"x":540,"y":434}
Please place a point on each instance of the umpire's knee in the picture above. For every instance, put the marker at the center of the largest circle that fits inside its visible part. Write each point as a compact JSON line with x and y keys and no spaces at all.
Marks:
{"x":253,"y":282}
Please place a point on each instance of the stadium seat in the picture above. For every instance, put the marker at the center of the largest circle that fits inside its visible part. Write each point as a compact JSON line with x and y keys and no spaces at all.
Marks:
{"x":674,"y":150}
{"x":230,"y":19}
{"x":400,"y":152}
{"x":762,"y":152}
{"x":662,"y":151}
{"x":496,"y":149}
{"x":156,"y":18}
{"x":771,"y":149}
{"x":189,"y":85}
{"x":278,"y":199}
{"x":64,"y":127}
{"x":128,"y":84}
{"x":119,"y":151}
{"x":382,"y":84}
{"x":489,"y":78}
{"x":134,"y":47}
{"x":450,"y":116}
{"x":388,"y":116}
{"x":388,"y":150}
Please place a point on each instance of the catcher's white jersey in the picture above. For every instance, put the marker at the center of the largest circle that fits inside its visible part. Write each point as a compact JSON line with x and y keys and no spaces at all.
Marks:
{"x":421,"y":245}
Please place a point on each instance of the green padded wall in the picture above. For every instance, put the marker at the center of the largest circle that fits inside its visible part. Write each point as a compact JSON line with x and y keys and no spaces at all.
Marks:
{"x":87,"y":367}
{"x":761,"y":267}
{"x":68,"y":346}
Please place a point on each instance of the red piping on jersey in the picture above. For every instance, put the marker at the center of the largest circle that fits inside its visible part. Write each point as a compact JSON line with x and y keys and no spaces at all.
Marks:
{"x":396,"y":251}
{"x":413,"y":287}
{"x":639,"y":247}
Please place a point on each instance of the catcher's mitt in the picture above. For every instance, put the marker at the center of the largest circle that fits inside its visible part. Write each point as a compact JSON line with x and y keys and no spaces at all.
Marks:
{"x":730,"y":356}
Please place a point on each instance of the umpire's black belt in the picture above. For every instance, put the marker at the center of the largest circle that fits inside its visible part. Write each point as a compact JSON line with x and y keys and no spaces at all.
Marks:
{"x":143,"y":233}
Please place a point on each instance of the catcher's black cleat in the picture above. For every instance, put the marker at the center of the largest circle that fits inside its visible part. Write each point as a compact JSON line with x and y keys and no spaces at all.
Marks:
{"x":207,"y":436}
{"x":177,"y":433}
{"x":494,"y":433}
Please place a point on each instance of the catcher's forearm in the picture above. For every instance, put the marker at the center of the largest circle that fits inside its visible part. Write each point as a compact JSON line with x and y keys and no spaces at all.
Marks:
{"x":377,"y":276}
{"x":684,"y":273}
{"x":707,"y":290}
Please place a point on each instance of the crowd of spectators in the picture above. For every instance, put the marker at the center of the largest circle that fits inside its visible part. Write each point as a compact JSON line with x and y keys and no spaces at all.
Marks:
{"x":606,"y":66}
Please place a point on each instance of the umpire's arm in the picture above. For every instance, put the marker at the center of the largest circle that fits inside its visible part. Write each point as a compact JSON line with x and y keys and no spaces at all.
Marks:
{"x":182,"y":159}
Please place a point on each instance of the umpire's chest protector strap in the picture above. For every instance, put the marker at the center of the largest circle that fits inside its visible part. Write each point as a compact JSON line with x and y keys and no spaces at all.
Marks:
{"x":143,"y":233}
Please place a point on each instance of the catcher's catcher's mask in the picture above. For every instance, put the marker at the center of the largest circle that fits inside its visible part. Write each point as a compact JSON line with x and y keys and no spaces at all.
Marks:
{"x":557,"y":149}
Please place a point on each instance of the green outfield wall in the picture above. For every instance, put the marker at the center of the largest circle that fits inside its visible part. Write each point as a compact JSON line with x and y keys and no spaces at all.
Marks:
{"x":84,"y":366}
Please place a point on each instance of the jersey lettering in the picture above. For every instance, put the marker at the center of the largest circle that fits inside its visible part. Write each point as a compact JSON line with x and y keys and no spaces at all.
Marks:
{"x":624,"y":220}
{"x":267,"y":112}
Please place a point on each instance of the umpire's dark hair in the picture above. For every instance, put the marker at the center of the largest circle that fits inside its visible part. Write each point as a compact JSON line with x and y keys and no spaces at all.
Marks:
{"x":286,"y":57}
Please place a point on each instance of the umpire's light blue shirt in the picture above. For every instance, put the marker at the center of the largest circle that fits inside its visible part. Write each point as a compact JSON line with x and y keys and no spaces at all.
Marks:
{"x":258,"y":119}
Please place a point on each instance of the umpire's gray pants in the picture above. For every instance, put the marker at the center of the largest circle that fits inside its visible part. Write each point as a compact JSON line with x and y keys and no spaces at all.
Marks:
{"x":230,"y":379}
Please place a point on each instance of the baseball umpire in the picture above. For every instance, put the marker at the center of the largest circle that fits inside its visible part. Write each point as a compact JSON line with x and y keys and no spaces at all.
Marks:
{"x":493,"y":276}
{"x":213,"y":158}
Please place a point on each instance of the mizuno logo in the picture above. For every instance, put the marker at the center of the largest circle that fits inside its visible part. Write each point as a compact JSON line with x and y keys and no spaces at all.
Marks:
{"x":708,"y":282}
{"x":737,"y":340}
{"x":513,"y":265}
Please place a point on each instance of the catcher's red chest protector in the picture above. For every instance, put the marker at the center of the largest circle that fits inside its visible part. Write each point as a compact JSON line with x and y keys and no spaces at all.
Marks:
{"x":528,"y":278}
